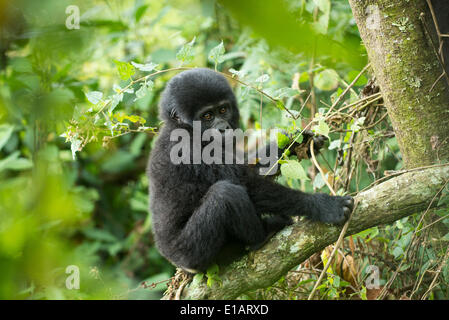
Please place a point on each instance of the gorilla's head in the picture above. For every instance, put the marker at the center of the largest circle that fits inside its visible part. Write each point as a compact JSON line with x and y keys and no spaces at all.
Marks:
{"x":202,"y":95}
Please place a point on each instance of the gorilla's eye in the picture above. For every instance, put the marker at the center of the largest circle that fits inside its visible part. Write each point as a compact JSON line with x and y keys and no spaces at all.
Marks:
{"x":223,"y":110}
{"x":208,"y":116}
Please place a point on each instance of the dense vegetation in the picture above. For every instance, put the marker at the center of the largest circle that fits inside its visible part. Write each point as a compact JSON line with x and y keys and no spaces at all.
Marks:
{"x":78,"y":116}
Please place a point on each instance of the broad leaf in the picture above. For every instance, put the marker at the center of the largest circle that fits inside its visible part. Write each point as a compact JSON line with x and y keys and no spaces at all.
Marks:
{"x":145,"y":67}
{"x":5,"y":133}
{"x":294,"y":170}
{"x":125,"y":69}
{"x":186,"y":54}
{"x":216,"y":54}
{"x":94,"y":97}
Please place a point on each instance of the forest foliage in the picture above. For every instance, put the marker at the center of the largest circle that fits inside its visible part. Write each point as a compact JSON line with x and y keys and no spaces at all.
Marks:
{"x":79,"y":115}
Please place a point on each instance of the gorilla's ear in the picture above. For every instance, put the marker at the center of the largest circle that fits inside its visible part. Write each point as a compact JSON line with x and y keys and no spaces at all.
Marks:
{"x":174,"y":115}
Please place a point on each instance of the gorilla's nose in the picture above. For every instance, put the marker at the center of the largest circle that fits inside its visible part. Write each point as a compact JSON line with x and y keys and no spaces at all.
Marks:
{"x":223,"y":126}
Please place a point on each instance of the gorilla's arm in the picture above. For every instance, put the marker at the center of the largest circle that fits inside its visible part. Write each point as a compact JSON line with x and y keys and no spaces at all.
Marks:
{"x":273,"y":198}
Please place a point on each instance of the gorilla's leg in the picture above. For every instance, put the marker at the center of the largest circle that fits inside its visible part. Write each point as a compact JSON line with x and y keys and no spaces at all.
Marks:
{"x":226,"y":213}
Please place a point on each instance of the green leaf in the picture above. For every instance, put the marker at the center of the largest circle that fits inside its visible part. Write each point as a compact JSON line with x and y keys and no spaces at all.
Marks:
{"x":20,"y":164}
{"x":239,"y":74}
{"x":143,"y":90}
{"x":293,"y":169}
{"x":210,"y":282}
{"x":322,"y":128}
{"x":280,"y":105}
{"x":371,"y":233}
{"x":212,"y":275}
{"x":13,"y":162}
{"x":336,"y":281}
{"x":298,"y":137}
{"x":283,"y":140}
{"x":75,"y":145}
{"x":197,"y":279}
{"x":134,"y":119}
{"x":94,"y":97}
{"x":336,"y":144}
{"x":5,"y":133}
{"x":355,"y":127}
{"x":323,"y":21}
{"x":216,"y":54}
{"x":140,"y":12}
{"x":304,"y":77}
{"x":353,"y":74}
{"x":145,"y":67}
{"x":99,"y":235}
{"x":186,"y":54}
{"x":213,"y":269}
{"x":116,"y":98}
{"x":263,"y":78}
{"x":446,"y":237}
{"x":326,"y":80}
{"x":285,"y":92}
{"x":125,"y":69}
{"x":397,"y":252}
{"x":363,"y":293}
{"x":318,"y":182}
{"x":118,"y":89}
{"x":344,"y":283}
{"x":120,"y":117}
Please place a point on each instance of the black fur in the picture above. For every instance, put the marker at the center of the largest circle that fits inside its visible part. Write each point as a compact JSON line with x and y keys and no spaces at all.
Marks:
{"x":198,"y":208}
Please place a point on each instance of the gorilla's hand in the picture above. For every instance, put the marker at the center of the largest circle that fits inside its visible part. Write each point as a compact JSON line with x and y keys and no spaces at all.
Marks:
{"x":318,"y":141}
{"x":302,"y":149}
{"x":331,"y":209}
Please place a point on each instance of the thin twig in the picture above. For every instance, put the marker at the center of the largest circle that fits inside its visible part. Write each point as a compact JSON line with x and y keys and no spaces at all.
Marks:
{"x":139,"y":80}
{"x":342,"y":233}
{"x":433,"y":283}
{"x":376,"y":123}
{"x":432,"y":12}
{"x":377,"y":95}
{"x":312,"y":153}
{"x":331,"y":258}
{"x":414,"y":236}
{"x":305,"y":102}
{"x":426,"y":30}
{"x":341,"y":96}
{"x":434,"y":222}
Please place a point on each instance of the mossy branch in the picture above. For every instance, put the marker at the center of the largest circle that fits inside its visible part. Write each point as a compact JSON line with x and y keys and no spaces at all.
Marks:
{"x":385,"y":203}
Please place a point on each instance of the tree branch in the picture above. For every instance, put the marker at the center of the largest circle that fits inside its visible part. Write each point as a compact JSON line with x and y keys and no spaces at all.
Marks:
{"x":385,"y":203}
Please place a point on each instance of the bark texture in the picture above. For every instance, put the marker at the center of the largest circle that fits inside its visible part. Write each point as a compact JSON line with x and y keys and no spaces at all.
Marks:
{"x":406,"y":67}
{"x":387,"y":202}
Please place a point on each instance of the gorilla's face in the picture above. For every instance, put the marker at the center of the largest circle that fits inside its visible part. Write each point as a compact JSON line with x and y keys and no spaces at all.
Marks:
{"x":216,"y":116}
{"x":200,"y":95}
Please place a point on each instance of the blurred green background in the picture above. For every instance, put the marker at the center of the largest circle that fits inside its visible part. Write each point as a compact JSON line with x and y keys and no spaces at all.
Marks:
{"x":81,"y":199}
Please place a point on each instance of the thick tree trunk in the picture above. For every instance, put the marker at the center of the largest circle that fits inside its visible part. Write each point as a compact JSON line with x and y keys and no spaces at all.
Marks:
{"x":392,"y":200}
{"x":406,"y":67}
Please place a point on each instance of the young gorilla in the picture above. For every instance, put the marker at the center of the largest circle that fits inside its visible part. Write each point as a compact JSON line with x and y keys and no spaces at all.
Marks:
{"x":197,"y":209}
